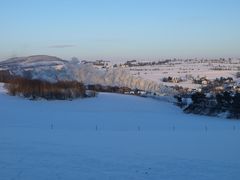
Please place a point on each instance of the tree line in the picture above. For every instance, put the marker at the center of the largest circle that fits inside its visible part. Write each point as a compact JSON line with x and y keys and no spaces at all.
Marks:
{"x":5,"y":76}
{"x":33,"y":89}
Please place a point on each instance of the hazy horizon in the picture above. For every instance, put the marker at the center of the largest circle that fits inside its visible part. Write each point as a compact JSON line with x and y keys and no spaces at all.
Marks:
{"x":117,"y":31}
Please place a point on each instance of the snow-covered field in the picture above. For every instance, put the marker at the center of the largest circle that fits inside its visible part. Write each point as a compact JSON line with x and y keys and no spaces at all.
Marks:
{"x":113,"y":137}
{"x":211,"y":69}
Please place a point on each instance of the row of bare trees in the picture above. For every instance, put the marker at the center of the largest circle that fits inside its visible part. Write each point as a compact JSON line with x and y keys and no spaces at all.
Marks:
{"x":5,"y":76}
{"x":34,"y":89}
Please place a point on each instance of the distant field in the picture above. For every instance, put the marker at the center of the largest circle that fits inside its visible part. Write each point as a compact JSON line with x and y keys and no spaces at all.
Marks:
{"x":184,"y":68}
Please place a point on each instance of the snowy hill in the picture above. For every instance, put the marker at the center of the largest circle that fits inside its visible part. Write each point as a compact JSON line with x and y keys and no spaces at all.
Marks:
{"x":32,"y":62}
{"x":113,"y":137}
{"x":54,"y":69}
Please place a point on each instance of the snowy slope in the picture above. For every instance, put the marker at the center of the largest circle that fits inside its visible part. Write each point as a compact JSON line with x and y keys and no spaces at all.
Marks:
{"x":113,"y":137}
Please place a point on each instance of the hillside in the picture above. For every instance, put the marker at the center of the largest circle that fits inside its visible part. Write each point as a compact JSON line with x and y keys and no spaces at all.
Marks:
{"x":54,"y":69}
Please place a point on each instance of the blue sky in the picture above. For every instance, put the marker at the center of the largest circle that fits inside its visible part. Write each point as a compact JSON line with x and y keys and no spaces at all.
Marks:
{"x":119,"y":30}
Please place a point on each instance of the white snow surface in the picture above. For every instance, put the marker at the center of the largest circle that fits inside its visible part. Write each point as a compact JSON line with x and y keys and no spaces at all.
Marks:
{"x":115,"y":137}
